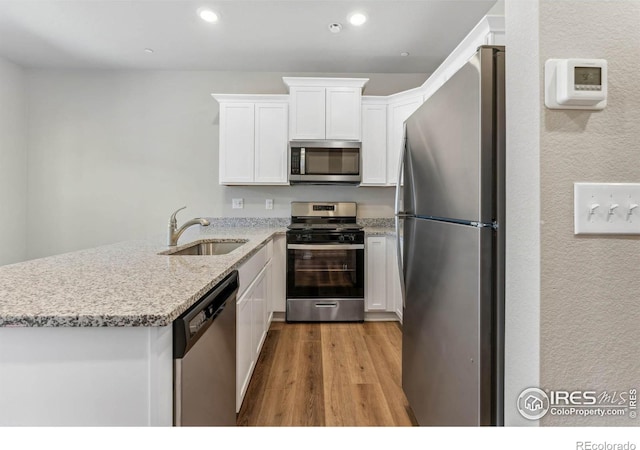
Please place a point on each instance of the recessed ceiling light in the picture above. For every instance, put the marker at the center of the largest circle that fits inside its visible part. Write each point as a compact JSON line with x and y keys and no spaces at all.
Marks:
{"x":207,"y":15}
{"x":357,"y":19}
{"x":335,"y":27}
{"x":404,"y":54}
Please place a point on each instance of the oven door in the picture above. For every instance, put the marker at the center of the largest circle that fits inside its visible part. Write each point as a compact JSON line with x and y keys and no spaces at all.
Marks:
{"x":325,"y":271}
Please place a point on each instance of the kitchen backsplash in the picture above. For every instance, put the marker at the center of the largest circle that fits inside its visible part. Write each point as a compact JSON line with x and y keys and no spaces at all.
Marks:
{"x":267,"y":222}
{"x":376,"y":221}
{"x":258,"y":222}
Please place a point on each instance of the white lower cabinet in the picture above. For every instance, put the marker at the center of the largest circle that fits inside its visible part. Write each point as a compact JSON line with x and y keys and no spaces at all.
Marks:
{"x":252,"y":316}
{"x":259,"y":311}
{"x":382,"y":290}
{"x":244,"y":359}
{"x":375,"y":266}
{"x":279,"y":274}
{"x":394,"y":295}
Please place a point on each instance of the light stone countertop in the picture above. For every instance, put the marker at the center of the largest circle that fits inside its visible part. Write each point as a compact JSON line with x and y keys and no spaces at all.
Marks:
{"x":125,"y":284}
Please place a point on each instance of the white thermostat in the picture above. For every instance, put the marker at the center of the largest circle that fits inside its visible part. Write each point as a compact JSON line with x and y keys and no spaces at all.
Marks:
{"x":575,"y":83}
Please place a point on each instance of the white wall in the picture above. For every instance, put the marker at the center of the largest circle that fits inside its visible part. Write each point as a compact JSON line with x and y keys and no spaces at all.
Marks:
{"x":113,"y":153}
{"x":13,"y":164}
{"x":572,"y":301}
{"x":590,"y":308}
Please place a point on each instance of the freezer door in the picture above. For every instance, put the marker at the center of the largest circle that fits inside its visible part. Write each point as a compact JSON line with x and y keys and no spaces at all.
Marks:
{"x":451,"y":138}
{"x":447,"y":323}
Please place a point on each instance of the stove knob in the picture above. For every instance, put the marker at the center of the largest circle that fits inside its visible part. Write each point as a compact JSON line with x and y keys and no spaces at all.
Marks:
{"x":341,"y":238}
{"x":352,"y":237}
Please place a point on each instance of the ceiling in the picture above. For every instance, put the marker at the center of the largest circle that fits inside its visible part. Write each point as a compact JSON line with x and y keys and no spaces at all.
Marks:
{"x":251,"y":35}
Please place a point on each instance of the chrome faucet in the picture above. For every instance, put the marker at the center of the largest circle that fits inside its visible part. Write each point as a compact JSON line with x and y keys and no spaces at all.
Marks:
{"x":175,"y":232}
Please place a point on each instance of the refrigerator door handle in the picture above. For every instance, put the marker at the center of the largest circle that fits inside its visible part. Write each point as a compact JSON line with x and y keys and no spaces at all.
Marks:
{"x":398,"y":215}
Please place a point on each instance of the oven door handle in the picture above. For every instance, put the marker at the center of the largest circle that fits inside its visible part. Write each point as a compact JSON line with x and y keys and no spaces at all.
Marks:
{"x":326,"y":305}
{"x":325,"y":247}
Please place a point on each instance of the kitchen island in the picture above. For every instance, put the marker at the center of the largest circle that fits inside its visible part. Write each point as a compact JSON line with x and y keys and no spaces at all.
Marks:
{"x":86,"y":337}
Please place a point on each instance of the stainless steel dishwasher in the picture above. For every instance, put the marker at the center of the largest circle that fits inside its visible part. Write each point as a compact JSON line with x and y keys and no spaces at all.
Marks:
{"x":204,"y":353}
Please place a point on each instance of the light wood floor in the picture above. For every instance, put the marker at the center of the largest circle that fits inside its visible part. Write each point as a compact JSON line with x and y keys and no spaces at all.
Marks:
{"x":328,"y":374}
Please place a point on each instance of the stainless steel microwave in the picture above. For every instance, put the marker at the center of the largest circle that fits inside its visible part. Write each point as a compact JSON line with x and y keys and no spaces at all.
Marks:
{"x":325,"y":162}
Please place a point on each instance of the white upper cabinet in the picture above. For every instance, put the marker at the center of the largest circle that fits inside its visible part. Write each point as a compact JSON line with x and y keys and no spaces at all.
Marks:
{"x":308,"y":108}
{"x":383,"y":135}
{"x":253,"y":139}
{"x":325,"y":108}
{"x":236,"y":142}
{"x":401,"y":106}
{"x":271,"y":143}
{"x":374,"y":142}
{"x":343,"y":114}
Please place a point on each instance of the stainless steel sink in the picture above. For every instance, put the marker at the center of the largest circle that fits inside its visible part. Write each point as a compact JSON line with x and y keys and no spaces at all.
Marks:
{"x":209,"y":248}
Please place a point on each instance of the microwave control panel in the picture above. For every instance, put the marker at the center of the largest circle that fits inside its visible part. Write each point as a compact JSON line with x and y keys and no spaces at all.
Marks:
{"x":295,"y":161}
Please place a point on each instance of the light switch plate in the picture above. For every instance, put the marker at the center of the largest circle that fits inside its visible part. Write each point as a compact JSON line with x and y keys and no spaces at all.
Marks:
{"x":268,"y":204}
{"x":606,"y":208}
{"x":237,"y":203}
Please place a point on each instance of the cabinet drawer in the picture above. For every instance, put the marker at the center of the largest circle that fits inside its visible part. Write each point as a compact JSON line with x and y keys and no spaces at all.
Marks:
{"x":250,"y":269}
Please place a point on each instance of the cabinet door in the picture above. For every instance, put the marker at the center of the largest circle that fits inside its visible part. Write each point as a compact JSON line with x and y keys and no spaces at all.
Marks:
{"x":394,"y":296}
{"x":374,"y":144}
{"x":236,"y":142}
{"x":244,"y":350}
{"x":397,"y":114}
{"x":279,"y":274}
{"x":376,"y":291}
{"x":344,"y":112}
{"x":307,"y":113}
{"x":258,"y":312}
{"x":271,"y":143}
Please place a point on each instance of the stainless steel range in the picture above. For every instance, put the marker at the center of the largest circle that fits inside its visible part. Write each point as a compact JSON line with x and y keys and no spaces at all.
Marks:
{"x":325,"y":263}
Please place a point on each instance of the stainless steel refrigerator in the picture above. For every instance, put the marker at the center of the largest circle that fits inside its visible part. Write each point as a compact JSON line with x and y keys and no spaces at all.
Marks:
{"x":450,"y":224}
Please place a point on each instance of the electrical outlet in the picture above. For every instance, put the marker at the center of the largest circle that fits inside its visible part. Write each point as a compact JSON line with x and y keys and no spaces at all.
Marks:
{"x":237,"y":203}
{"x":268,"y":204}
